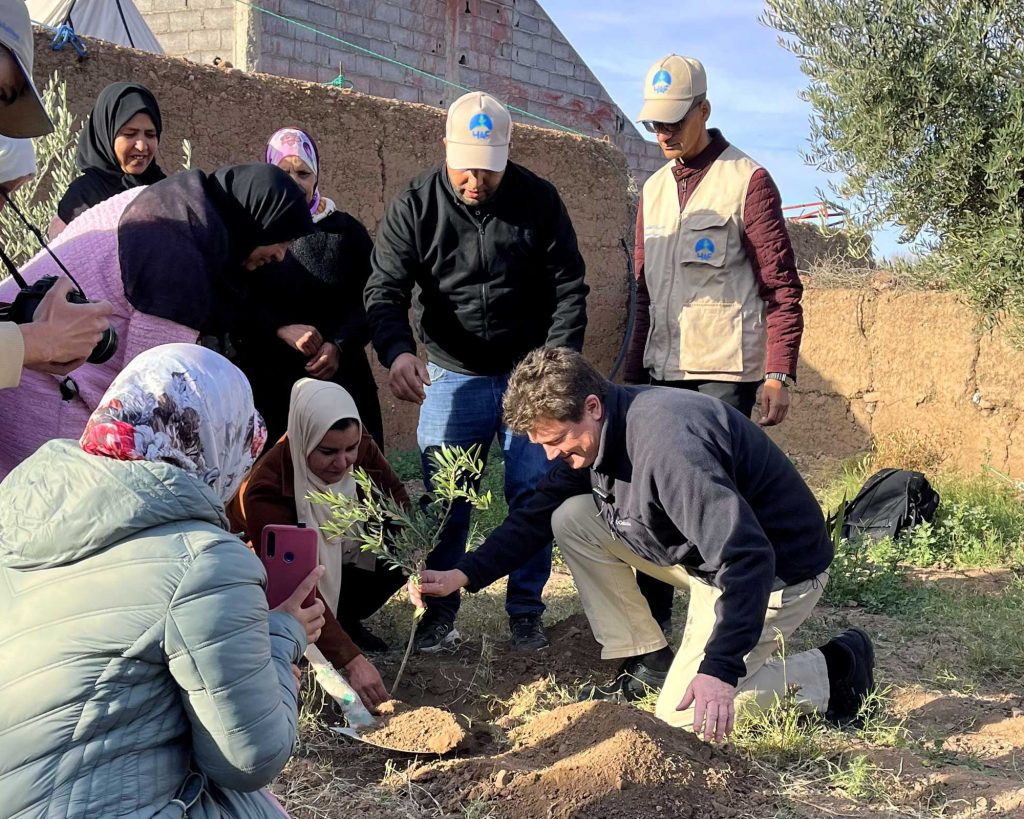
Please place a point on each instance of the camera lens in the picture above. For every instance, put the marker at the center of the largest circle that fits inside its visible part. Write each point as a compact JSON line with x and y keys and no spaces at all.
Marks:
{"x":106,"y":347}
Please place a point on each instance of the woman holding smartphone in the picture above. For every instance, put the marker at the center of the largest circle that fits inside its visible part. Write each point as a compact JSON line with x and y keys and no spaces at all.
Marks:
{"x":325,"y":443}
{"x":157,"y":683}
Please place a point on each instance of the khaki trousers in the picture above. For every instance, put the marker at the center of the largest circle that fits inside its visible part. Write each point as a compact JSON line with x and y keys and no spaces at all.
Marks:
{"x":603,"y":568}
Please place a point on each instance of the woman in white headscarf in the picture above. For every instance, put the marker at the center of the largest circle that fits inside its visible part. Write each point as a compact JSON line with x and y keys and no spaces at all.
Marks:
{"x":144,"y":675}
{"x":325,"y":442}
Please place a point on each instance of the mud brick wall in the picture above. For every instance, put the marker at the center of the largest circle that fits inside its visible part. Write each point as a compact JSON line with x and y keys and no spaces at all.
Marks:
{"x":876,"y":364}
{"x":872,"y":363}
{"x":371,"y":147}
{"x":510,"y":48}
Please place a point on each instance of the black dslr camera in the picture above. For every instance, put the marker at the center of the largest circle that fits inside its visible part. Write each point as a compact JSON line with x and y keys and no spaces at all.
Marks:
{"x":23,"y":308}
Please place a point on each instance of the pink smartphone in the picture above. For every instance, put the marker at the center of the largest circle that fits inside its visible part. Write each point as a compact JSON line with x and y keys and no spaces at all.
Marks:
{"x":289,"y":554}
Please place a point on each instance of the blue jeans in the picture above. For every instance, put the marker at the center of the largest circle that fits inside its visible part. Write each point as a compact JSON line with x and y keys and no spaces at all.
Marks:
{"x":465,"y":410}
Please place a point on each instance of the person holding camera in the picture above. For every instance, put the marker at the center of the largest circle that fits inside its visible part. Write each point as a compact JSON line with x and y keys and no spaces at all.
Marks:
{"x":157,"y":683}
{"x":172,"y":259}
{"x":62,"y":334}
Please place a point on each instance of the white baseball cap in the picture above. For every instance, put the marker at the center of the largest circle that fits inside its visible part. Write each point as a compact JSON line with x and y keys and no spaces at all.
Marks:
{"x":26,"y":116}
{"x":478,"y":133}
{"x":671,"y":85}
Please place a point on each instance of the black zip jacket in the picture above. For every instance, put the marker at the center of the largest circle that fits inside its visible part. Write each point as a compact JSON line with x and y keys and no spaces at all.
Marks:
{"x":684,"y":479}
{"x":490,"y":283}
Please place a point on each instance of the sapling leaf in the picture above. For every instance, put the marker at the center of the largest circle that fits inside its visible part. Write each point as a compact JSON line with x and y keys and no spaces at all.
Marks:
{"x":401,"y":536}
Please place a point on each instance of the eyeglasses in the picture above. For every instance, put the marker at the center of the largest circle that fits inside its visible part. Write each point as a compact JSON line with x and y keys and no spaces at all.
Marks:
{"x":669,"y":128}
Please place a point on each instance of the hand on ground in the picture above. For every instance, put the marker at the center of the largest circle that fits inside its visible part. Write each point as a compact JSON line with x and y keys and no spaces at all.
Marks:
{"x":407,"y":377}
{"x":366,"y":681}
{"x":324,"y":364}
{"x":774,"y":403}
{"x":303,"y":337}
{"x":311,"y":618}
{"x":714,"y":708}
{"x":435,"y":584}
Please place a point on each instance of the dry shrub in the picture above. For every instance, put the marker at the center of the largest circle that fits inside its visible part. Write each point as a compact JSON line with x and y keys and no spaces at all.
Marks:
{"x":925,"y":452}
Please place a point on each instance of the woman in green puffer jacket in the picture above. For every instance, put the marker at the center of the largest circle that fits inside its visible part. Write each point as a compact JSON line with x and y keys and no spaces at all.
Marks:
{"x":141,"y":673}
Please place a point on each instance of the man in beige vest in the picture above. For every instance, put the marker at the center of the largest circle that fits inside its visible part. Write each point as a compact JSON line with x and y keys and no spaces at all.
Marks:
{"x":718,"y":307}
{"x":718,"y":296}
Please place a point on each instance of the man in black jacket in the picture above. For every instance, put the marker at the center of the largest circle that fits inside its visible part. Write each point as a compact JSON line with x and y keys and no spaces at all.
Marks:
{"x":485,"y":252}
{"x":682,"y":487}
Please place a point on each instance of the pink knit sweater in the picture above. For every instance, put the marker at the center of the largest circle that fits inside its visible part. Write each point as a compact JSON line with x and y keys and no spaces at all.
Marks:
{"x":34,"y":412}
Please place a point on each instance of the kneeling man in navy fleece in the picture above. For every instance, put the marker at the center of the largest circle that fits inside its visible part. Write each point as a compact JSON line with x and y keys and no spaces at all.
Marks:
{"x":683,"y":488}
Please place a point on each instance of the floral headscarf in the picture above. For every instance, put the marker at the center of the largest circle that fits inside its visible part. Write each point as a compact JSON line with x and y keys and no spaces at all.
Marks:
{"x":184,"y":405}
{"x":293,"y":142}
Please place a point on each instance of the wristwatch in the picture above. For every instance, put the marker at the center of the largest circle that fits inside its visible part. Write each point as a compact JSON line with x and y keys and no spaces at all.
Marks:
{"x":785,"y":379}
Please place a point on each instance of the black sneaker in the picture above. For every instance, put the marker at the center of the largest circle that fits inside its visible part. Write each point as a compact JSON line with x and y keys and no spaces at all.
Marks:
{"x":365,"y":639}
{"x":633,"y":682}
{"x":434,"y":634}
{"x":849,"y":693}
{"x":527,"y":633}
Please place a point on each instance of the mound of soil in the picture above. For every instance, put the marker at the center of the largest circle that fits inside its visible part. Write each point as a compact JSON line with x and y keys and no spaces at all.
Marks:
{"x":423,"y":730}
{"x":598,"y":760}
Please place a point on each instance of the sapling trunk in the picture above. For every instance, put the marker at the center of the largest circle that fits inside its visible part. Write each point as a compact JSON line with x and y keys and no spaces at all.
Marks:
{"x":405,"y":536}
{"x":416,"y":617}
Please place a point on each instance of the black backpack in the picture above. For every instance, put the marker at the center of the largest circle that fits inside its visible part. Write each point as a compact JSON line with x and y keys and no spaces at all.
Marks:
{"x":890,"y":502}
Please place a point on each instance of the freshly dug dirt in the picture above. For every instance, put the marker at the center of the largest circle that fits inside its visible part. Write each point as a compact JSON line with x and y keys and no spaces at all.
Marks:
{"x":598,"y":760}
{"x":423,"y":730}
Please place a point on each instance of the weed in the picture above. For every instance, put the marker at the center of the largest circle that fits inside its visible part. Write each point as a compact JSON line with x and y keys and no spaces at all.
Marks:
{"x":879,"y":584}
{"x":782,"y":736}
{"x":477,"y":809}
{"x":859,"y":778}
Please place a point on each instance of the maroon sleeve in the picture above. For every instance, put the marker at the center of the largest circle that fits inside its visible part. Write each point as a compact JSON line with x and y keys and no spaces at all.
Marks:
{"x":771,"y":255}
{"x":633,"y":371}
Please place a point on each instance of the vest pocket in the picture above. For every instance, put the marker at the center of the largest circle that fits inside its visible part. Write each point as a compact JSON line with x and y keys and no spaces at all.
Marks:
{"x":711,"y":338}
{"x":703,"y":239}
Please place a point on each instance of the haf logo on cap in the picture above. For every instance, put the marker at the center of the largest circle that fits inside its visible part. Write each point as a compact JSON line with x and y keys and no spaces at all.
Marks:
{"x":662,"y":80}
{"x":481,"y":126}
{"x":704,"y":248}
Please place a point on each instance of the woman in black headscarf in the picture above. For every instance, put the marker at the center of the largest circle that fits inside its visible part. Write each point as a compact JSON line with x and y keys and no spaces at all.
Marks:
{"x":117,"y":150}
{"x":312,"y":322}
{"x":176,"y":261}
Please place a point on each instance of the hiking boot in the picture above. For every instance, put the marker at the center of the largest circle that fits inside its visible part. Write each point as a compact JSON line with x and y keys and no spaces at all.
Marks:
{"x":527,"y":633}
{"x":434,"y":634}
{"x":848,"y":693}
{"x":666,"y":628}
{"x":633,"y":682}
{"x":365,"y":639}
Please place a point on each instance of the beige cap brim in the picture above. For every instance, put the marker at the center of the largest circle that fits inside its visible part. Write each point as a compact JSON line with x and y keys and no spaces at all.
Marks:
{"x":664,"y":110}
{"x":464,"y":157}
{"x":26,"y":116}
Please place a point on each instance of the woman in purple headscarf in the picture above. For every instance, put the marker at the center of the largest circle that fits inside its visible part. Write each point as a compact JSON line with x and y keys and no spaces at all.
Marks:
{"x":317,"y":293}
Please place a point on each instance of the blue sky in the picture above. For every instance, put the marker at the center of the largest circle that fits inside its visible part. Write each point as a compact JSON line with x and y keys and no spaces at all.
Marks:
{"x":753,"y":83}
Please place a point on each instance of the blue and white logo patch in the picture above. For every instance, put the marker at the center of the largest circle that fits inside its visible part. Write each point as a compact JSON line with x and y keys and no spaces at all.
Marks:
{"x":481,"y":126}
{"x":704,"y":248}
{"x":662,"y":80}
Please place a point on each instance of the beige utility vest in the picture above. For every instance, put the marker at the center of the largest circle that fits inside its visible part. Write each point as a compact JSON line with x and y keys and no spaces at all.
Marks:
{"x":707,"y":318}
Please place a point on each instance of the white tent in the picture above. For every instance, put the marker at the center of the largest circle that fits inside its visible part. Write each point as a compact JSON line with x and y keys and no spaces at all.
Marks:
{"x":117,"y":21}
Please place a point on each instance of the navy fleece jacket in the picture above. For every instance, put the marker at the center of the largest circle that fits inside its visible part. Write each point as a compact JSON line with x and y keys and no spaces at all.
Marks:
{"x":684,"y":480}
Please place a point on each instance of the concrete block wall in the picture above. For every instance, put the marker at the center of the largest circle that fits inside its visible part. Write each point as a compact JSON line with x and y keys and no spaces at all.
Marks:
{"x":198,"y":30}
{"x":510,"y":48}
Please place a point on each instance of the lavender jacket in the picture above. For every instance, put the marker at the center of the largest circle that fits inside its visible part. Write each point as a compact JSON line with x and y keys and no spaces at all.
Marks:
{"x":35,"y":412}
